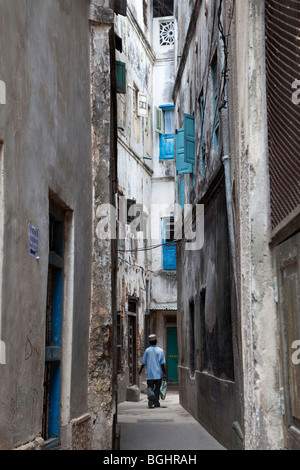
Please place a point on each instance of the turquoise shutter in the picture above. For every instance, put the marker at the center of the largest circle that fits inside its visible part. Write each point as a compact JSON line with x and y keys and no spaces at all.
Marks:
{"x":181,"y":166}
{"x":169,"y":251}
{"x":121,"y":77}
{"x":167,"y":147}
{"x":189,"y":139}
{"x":181,"y":193}
{"x":169,"y":258}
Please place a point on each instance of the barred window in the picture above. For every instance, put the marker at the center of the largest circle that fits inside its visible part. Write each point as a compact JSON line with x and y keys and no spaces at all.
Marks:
{"x":163,"y":8}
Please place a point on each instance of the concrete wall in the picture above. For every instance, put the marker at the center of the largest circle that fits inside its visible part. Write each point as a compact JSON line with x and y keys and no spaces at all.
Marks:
{"x":46,"y":146}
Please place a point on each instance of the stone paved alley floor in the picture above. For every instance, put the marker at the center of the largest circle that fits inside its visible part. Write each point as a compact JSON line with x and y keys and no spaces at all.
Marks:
{"x":167,"y":428}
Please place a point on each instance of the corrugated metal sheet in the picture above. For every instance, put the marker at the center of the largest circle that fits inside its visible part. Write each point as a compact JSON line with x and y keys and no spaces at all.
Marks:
{"x":283,"y":68}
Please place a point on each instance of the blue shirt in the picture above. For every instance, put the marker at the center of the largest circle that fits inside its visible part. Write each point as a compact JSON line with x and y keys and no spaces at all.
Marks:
{"x":153,"y":359}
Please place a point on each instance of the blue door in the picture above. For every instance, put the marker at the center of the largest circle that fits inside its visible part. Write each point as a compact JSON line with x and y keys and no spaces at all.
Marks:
{"x":51,"y":414}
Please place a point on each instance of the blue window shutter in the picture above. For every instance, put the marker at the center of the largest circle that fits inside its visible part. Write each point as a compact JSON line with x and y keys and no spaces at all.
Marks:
{"x":181,"y":193}
{"x":169,"y":250}
{"x":169,"y":258}
{"x":182,"y":167}
{"x":166,"y":147}
{"x":189,"y":139}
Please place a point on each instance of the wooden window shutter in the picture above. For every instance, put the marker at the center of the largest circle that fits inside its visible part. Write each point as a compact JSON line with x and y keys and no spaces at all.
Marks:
{"x":182,"y":167}
{"x":159,"y":120}
{"x":169,"y":247}
{"x":189,"y":139}
{"x":166,"y":147}
{"x":121,"y":77}
{"x":119,"y":6}
{"x":181,"y":193}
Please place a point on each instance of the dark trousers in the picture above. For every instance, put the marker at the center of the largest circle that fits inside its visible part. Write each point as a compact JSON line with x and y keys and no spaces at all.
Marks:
{"x":154,"y":388}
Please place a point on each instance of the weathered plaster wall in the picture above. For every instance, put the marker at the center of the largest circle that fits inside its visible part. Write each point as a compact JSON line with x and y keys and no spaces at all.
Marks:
{"x":208,"y":365}
{"x":164,"y":284}
{"x":46,"y":145}
{"x":263,"y":423}
{"x":102,"y":345}
{"x":134,"y":182}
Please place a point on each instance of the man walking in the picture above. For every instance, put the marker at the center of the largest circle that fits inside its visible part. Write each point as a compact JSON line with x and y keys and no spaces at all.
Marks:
{"x":154,"y":360}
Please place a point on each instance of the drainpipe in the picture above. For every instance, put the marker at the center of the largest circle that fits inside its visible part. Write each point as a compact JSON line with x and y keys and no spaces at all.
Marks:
{"x":227,"y":170}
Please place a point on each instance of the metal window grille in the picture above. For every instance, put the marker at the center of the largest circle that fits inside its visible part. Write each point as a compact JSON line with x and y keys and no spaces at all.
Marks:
{"x":283,"y":67}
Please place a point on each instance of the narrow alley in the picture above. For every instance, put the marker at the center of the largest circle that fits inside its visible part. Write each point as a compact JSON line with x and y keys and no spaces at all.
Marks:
{"x":149,"y":200}
{"x":169,"y":427}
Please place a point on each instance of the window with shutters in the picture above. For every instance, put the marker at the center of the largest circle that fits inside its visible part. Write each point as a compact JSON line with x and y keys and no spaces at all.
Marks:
{"x":121,"y":77}
{"x":169,"y":245}
{"x":189,"y":139}
{"x":182,"y":167}
{"x":165,"y":126}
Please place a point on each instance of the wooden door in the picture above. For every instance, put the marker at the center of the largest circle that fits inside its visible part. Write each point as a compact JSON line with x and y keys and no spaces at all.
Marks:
{"x":172,"y":354}
{"x":288,"y":256}
{"x":132,"y":363}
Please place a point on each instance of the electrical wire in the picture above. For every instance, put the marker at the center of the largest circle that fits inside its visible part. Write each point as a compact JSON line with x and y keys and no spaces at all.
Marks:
{"x":149,"y":248}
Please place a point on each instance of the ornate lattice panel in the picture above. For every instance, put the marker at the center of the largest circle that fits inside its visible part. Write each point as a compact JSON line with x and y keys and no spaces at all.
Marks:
{"x":167,"y":33}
